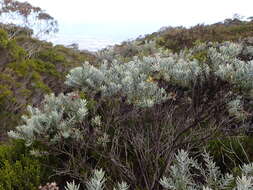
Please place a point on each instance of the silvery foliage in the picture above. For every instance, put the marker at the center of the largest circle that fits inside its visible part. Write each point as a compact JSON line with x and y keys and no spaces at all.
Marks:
{"x":57,"y":119}
{"x":72,"y":186}
{"x":235,"y":108}
{"x":121,"y":186}
{"x":131,"y":79}
{"x":182,"y":176}
{"x":248,"y":50}
{"x":178,"y":69}
{"x":128,"y":79}
{"x":224,"y":63}
{"x":244,"y":183}
{"x":247,"y":169}
{"x":98,"y":179}
{"x":229,"y":67}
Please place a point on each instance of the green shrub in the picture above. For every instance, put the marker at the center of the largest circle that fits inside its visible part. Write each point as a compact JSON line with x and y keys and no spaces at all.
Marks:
{"x":230,"y":152}
{"x":178,"y":38}
{"x":29,"y":69}
{"x":3,"y":39}
{"x":19,"y":170}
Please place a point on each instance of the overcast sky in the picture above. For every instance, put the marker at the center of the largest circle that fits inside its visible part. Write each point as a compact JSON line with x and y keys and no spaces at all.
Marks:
{"x":118,"y":20}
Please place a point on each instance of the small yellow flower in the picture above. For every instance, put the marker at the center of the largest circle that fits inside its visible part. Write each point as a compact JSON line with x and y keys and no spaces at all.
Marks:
{"x":150,"y":79}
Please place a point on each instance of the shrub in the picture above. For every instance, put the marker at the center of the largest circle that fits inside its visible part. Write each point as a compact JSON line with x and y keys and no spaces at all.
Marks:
{"x":19,"y":170}
{"x":187,"y":173}
{"x":178,"y":38}
{"x":81,"y":139}
{"x":29,"y":69}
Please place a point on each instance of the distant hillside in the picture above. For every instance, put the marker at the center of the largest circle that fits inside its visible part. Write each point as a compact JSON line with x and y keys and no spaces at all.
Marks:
{"x":178,"y":38}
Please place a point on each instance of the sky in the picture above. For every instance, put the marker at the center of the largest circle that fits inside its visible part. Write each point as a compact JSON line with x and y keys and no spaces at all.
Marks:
{"x":93,"y":24}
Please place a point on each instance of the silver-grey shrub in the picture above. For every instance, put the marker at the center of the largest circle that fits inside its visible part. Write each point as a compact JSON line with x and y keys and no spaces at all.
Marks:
{"x":181,"y":69}
{"x":185,"y":170}
{"x":129,"y":80}
{"x":57,"y":119}
{"x":186,"y":174}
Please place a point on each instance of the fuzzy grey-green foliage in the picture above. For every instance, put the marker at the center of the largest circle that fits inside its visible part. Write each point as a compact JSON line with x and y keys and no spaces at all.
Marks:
{"x":121,"y":186}
{"x":185,"y":170}
{"x":224,"y":62}
{"x":131,"y":79}
{"x":178,"y":69}
{"x":183,"y":174}
{"x":72,"y":186}
{"x":235,"y":108}
{"x":229,"y":67}
{"x":55,"y":120}
{"x":97,"y":182}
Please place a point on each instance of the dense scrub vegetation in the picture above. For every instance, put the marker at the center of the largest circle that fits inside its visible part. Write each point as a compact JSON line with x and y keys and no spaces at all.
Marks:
{"x":178,"y":38}
{"x":19,"y":169}
{"x":29,"y":69}
{"x":135,"y":116}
